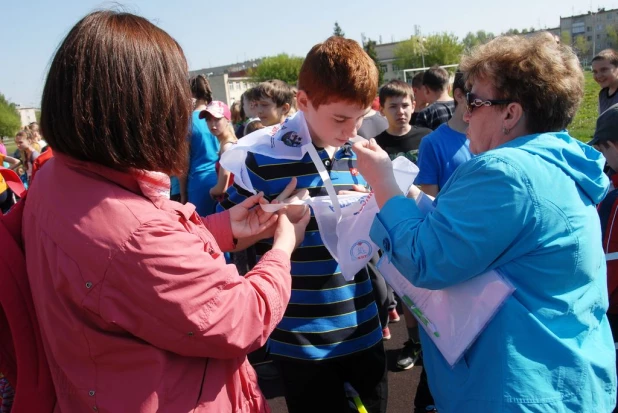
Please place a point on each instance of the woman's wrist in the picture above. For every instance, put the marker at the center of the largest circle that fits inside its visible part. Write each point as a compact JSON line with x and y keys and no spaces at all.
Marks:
{"x":386,"y":191}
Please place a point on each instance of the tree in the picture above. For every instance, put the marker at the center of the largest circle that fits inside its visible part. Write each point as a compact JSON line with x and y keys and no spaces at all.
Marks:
{"x":442,"y":49}
{"x":10,"y":122}
{"x":476,"y":39}
{"x":283,"y":67}
{"x":370,"y":49}
{"x":565,"y":38}
{"x":612,"y":35}
{"x":337,"y":31}
{"x":409,"y":53}
{"x":511,"y":32}
{"x":436,"y":49}
{"x":582,"y":46}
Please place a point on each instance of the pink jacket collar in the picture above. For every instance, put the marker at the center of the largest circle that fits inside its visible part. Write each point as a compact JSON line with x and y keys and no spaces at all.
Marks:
{"x":154,"y":186}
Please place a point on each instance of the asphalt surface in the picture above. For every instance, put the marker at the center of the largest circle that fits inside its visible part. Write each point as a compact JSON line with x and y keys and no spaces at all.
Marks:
{"x":401,"y":384}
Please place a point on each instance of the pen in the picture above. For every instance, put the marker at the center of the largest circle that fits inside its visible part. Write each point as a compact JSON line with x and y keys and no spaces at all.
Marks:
{"x":420,"y":315}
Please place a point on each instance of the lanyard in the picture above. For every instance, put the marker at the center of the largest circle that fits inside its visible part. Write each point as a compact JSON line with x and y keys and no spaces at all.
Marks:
{"x":330,"y":189}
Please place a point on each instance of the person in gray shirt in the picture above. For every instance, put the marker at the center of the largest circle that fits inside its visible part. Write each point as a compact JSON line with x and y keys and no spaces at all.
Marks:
{"x":605,"y":73}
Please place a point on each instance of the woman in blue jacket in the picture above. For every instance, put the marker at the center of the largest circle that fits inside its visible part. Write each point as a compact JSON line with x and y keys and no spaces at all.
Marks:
{"x":525,"y":206}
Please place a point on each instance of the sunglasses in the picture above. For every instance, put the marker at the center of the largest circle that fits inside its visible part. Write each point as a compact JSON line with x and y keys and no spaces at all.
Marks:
{"x":473,"y":102}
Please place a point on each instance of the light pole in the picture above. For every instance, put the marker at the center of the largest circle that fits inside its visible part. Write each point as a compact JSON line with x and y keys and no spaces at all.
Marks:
{"x":422,"y":44}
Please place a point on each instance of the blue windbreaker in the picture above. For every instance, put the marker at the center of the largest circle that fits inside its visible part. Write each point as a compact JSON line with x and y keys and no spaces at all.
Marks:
{"x":527,"y":209}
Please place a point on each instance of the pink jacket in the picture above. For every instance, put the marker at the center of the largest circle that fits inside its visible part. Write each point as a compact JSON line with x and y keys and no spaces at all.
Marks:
{"x":138,"y":310}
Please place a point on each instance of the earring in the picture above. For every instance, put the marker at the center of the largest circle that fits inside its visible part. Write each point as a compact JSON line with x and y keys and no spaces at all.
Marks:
{"x":506,"y":131}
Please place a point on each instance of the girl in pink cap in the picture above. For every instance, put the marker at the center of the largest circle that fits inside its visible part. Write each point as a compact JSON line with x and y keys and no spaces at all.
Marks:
{"x":218,"y":117}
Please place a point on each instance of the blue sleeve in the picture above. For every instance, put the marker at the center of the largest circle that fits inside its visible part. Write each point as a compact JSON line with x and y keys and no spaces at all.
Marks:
{"x":428,"y":164}
{"x":236,"y":194}
{"x":478,"y":216}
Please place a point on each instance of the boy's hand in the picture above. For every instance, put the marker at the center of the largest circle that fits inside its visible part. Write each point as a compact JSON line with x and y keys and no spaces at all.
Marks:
{"x":355,"y":190}
{"x":289,"y":235}
{"x":291,"y":194}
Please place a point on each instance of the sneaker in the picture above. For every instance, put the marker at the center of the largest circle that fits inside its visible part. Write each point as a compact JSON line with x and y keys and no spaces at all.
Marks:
{"x":409,"y":355}
{"x":393,"y":317}
{"x":386,"y":333}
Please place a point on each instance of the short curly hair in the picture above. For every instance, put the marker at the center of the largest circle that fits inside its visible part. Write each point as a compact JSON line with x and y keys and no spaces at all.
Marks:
{"x":544,"y":77}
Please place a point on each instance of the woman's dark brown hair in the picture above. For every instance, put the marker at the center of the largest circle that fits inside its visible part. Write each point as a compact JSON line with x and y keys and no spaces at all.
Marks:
{"x":117,"y":95}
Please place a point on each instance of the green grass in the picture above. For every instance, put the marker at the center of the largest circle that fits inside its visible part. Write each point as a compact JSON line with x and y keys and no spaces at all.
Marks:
{"x":583,"y":125}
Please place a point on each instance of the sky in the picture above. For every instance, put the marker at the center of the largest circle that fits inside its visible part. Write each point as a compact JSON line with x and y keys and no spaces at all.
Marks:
{"x":214,"y":33}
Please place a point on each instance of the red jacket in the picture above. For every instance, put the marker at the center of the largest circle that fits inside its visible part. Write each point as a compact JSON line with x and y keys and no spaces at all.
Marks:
{"x":608,"y":212}
{"x":138,"y":310}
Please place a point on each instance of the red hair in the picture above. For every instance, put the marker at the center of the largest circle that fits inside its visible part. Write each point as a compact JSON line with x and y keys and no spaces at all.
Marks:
{"x":338,"y":69}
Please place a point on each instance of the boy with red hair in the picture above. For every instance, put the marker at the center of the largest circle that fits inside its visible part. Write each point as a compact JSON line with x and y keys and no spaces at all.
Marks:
{"x":330,"y":333}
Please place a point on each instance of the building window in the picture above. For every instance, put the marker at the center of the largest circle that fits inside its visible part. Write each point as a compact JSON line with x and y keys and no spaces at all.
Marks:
{"x":589,"y":38}
{"x":598,"y":36}
{"x":383,"y":68}
{"x":588,"y":29}
{"x":396,"y":68}
{"x":609,"y":17}
{"x":600,"y":27}
{"x":579,"y":27}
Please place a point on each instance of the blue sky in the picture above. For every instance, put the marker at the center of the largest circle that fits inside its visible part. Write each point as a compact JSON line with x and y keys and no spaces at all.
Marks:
{"x":214,"y":33}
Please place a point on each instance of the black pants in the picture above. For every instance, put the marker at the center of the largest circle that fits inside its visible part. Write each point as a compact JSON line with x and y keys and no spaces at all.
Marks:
{"x":423,"y":396}
{"x":382,"y":292}
{"x":318,"y":386}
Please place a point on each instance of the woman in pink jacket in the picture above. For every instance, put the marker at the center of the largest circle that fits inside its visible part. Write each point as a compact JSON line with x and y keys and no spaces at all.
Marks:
{"x":138,"y":310}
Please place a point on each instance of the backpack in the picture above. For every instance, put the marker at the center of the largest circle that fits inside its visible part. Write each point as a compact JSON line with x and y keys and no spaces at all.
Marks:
{"x":22,"y":356}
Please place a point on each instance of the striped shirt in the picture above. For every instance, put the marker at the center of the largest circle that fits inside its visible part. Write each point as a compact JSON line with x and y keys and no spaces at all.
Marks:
{"x":435,"y":114}
{"x":327,"y":316}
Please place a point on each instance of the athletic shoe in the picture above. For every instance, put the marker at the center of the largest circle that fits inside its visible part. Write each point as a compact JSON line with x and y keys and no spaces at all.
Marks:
{"x":393,"y":317}
{"x":386,"y":334}
{"x":409,"y":355}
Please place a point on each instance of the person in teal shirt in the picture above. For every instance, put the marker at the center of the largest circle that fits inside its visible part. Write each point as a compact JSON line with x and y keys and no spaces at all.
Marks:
{"x":525,"y":207}
{"x":203,"y":153}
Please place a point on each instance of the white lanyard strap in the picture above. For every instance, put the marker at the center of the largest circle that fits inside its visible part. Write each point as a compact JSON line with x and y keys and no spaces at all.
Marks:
{"x":325,"y":178}
{"x":611,"y":256}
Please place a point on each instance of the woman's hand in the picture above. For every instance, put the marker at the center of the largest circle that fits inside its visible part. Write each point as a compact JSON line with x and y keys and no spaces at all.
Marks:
{"x":376,"y":167}
{"x":289,"y":235}
{"x":248,"y":220}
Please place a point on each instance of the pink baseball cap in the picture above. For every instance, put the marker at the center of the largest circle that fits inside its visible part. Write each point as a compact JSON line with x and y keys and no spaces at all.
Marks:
{"x":217,"y":109}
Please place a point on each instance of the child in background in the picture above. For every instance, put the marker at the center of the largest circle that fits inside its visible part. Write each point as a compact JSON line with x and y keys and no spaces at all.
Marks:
{"x":27,"y":150}
{"x":248,"y":108}
{"x":274,"y":100}
{"x":605,"y":73}
{"x":218,"y":116}
{"x":397,"y":105}
{"x":253,"y":126}
{"x":237,"y":120}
